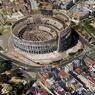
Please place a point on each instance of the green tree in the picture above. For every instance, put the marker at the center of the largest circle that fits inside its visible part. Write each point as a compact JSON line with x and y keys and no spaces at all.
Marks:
{"x":19,"y":88}
{"x":12,"y":92}
{"x":2,"y":67}
{"x":4,"y":78}
{"x":26,"y":87}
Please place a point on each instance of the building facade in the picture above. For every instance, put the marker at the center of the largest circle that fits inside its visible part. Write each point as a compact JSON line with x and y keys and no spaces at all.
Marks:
{"x":50,"y":34}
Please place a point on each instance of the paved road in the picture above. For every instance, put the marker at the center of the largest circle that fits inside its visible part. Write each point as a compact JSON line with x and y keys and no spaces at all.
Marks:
{"x":81,"y":55}
{"x":14,"y":66}
{"x":20,"y":64}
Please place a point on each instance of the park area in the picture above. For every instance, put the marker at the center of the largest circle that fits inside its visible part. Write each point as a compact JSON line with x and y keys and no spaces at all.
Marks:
{"x":86,"y":29}
{"x":87,"y":25}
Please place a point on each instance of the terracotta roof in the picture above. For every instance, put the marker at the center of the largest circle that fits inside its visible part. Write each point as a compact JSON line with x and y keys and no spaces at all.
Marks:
{"x":58,"y":66}
{"x":78,"y":70}
{"x":88,"y":61}
{"x":63,"y":74}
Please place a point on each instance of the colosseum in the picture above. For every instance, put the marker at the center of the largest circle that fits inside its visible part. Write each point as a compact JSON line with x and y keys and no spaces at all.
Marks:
{"x":42,"y":34}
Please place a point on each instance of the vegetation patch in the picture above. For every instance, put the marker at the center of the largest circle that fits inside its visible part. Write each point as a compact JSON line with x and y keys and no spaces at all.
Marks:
{"x":12,"y":80}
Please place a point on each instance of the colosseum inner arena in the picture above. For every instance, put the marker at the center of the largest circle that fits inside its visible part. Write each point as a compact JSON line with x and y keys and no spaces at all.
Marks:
{"x":42,"y":34}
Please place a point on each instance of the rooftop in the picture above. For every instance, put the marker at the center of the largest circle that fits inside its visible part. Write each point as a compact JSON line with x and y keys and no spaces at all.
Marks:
{"x":60,"y":80}
{"x":89,"y":61}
